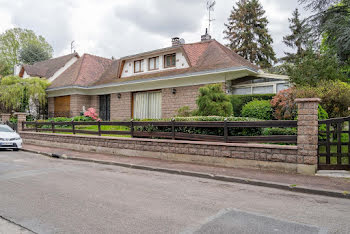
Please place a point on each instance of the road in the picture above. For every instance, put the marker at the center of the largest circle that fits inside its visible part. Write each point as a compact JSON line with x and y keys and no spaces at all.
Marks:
{"x":48,"y":195}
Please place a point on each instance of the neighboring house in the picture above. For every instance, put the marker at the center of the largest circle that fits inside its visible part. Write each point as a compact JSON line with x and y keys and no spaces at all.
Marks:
{"x":84,"y":72}
{"x":49,"y":69}
{"x":157,"y":83}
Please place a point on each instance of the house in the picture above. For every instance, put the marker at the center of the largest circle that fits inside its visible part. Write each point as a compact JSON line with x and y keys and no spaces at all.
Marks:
{"x":155,"y":84}
{"x":49,"y":69}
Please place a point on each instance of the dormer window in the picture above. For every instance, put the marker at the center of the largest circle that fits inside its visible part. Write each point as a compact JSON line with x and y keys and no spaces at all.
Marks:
{"x":153,"y":63}
{"x":169,"y":60}
{"x":138,"y":66}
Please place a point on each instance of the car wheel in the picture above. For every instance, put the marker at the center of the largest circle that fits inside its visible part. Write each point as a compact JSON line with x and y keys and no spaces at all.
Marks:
{"x":16,"y":149}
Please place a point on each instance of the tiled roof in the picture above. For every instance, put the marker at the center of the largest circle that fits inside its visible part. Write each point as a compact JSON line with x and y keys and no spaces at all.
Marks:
{"x":48,"y":68}
{"x":84,"y":72}
{"x":202,"y":56}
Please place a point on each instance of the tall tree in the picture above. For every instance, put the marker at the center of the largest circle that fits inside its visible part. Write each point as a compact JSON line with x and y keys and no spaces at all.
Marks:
{"x":32,"y":53}
{"x":331,"y":19}
{"x":13,"y":40}
{"x":300,"y":37}
{"x":248,"y":35}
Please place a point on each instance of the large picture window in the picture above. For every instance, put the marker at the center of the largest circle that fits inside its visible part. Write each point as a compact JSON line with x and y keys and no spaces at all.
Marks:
{"x":169,"y":60}
{"x":147,"y":105}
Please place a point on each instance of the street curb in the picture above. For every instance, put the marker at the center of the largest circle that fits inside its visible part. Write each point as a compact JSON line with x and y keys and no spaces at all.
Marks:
{"x":292,"y":188}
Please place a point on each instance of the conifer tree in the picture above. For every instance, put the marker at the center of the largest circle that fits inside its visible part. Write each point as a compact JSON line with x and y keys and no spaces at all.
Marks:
{"x":300,"y":37}
{"x":248,"y":35}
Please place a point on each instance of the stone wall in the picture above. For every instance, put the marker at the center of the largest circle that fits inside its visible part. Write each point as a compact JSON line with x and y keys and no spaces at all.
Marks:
{"x":77,"y":102}
{"x":262,"y":156}
{"x":51,"y":105}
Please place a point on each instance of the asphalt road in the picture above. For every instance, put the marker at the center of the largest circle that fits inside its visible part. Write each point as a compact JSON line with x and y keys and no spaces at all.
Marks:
{"x":48,"y":195}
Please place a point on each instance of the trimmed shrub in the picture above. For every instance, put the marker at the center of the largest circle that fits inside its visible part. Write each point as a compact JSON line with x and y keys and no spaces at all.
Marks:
{"x":213,"y":101}
{"x":260,"y":109}
{"x":207,"y":131}
{"x":238,"y":101}
{"x":280,"y":131}
{"x":184,"y":111}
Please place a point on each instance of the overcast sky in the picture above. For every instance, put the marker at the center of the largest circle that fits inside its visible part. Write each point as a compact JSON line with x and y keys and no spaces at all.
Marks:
{"x":119,"y":28}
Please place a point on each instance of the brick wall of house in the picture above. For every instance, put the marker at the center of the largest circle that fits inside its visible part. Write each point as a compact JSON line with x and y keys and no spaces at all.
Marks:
{"x":94,"y":103}
{"x":185,"y":96}
{"x":121,"y":107}
{"x":77,"y":102}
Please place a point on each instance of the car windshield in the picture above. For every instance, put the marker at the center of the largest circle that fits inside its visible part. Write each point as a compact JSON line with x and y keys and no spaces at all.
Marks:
{"x":4,"y":128}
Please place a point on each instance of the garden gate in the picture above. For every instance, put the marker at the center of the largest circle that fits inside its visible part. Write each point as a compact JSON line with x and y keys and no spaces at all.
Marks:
{"x":334,"y":144}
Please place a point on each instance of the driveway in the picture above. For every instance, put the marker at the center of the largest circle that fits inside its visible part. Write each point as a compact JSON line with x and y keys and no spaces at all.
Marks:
{"x":48,"y":195}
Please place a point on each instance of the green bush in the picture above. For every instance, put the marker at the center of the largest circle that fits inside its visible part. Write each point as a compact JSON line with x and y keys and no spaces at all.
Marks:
{"x":213,"y":101}
{"x":334,"y":95}
{"x":279,"y":131}
{"x":260,"y":109}
{"x":238,"y":101}
{"x":207,"y":131}
{"x":184,"y":111}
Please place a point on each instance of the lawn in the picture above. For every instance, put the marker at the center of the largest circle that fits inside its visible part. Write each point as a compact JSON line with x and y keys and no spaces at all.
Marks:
{"x":95,"y":129}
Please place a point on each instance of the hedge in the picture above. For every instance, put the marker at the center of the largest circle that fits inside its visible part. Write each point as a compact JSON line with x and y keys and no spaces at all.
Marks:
{"x":260,"y":109}
{"x":238,"y":101}
{"x":206,"y":131}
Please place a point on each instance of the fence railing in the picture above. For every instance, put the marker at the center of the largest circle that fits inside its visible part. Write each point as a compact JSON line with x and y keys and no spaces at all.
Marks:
{"x":173,"y":129}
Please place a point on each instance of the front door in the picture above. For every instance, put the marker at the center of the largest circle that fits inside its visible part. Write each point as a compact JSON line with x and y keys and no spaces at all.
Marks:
{"x":105,"y":103}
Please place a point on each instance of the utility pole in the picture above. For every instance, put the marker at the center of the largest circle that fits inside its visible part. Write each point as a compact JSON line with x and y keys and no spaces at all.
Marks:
{"x":210,"y":8}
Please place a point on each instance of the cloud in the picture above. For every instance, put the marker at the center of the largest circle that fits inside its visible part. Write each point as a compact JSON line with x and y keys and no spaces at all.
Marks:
{"x":163,"y":17}
{"x":119,"y":28}
{"x":47,"y":18}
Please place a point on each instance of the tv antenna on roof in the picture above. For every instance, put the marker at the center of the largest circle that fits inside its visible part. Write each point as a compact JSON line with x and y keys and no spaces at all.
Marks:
{"x":210,"y":8}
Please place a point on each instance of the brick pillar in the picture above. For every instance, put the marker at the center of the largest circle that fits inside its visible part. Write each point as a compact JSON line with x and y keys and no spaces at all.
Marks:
{"x":5,"y":117}
{"x":21,"y":117}
{"x":307,"y":134}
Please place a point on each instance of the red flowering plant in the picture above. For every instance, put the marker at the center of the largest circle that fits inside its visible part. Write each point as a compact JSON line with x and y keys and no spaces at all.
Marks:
{"x":91,"y":112}
{"x":284,"y":105}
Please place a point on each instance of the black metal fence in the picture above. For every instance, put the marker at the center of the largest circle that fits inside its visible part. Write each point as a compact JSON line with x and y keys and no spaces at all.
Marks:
{"x":173,"y":130}
{"x":334,"y":144}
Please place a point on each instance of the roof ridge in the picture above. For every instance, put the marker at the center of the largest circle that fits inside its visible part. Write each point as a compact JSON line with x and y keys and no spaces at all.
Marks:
{"x":80,"y":66}
{"x":97,"y":56}
{"x":75,"y":53}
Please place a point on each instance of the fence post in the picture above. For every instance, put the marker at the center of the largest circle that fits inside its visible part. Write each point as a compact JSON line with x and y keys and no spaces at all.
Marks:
{"x":53,"y":127}
{"x":21,"y":117}
{"x":99,"y":128}
{"x":36,"y":126}
{"x":307,"y":157}
{"x":225,"y":130}
{"x":173,"y":128}
{"x":132,"y":128}
{"x":5,"y":117}
{"x":73,"y":127}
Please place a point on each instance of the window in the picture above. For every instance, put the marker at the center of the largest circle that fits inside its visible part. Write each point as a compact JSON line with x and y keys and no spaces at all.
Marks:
{"x":169,"y":60}
{"x":263,"y":89}
{"x":242,"y":91}
{"x":282,"y":87}
{"x":147,"y":105}
{"x":138,"y":66}
{"x":153,"y":63}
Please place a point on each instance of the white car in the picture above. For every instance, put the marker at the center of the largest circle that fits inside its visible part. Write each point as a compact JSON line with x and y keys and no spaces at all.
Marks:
{"x":9,"y":139}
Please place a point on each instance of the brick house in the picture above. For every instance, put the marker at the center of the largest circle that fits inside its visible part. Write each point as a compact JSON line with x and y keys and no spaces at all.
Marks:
{"x":155,"y":84}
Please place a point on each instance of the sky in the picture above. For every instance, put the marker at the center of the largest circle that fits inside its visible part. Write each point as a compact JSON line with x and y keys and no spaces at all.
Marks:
{"x":124,"y":27}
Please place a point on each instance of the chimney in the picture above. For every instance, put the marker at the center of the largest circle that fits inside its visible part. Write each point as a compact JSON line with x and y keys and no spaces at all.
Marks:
{"x":206,"y":36}
{"x":175,"y":41}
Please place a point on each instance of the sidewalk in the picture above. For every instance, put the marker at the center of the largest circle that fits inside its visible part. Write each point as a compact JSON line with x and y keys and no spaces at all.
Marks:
{"x":339,"y":187}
